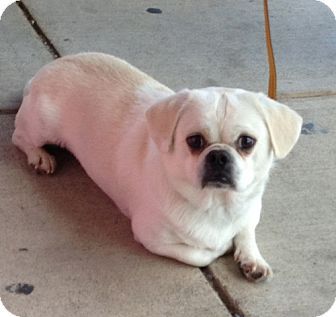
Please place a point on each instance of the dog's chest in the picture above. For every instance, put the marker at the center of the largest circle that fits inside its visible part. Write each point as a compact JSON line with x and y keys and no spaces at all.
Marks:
{"x":212,"y":228}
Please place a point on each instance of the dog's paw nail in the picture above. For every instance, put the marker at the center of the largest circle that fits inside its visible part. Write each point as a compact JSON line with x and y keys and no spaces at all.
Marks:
{"x":257,"y":275}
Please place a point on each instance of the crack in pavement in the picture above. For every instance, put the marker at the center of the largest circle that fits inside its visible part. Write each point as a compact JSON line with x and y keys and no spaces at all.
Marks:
{"x":229,"y":302}
{"x":43,"y":37}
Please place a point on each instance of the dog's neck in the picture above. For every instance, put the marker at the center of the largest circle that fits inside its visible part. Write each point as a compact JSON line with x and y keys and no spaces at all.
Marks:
{"x":205,"y":200}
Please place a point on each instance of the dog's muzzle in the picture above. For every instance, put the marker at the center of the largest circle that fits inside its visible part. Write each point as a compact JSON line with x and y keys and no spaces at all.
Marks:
{"x":218,"y":169}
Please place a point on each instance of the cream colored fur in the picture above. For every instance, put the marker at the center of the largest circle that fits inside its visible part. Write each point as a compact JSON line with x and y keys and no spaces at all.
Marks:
{"x":129,"y":133}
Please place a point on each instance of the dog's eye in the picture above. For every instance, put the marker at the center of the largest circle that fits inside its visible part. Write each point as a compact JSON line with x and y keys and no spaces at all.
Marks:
{"x":196,"y":142}
{"x":246,"y":142}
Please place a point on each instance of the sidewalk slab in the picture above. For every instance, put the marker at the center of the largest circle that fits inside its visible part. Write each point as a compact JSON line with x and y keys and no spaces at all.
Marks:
{"x":304,"y":41}
{"x":202,"y":44}
{"x":21,"y":55}
{"x":62,"y":235}
{"x":297,"y":230}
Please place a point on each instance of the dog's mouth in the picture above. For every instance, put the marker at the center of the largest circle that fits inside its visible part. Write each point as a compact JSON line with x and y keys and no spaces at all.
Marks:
{"x":219,"y":181}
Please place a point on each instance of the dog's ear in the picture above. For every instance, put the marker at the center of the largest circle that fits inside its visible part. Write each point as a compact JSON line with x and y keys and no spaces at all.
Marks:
{"x":283,"y":123}
{"x":163,"y":116}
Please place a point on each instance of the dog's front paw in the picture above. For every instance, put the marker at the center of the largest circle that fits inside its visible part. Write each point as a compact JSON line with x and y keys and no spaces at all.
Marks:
{"x":254,"y":269}
{"x":41,"y":161}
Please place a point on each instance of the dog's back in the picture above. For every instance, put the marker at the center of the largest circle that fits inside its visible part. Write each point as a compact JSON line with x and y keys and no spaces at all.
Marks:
{"x":87,"y":104}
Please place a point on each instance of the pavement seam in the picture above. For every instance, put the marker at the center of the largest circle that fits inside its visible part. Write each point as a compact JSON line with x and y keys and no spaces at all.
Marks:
{"x":38,"y":30}
{"x":303,"y":95}
{"x":8,"y":111}
{"x":230,"y":303}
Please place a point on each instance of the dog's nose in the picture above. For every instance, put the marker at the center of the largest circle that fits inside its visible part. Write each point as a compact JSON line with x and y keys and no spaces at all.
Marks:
{"x":217,"y":158}
{"x":218,"y":169}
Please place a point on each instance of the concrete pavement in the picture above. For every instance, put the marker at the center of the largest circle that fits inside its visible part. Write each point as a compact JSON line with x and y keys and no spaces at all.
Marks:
{"x":21,"y":55}
{"x":67,"y":239}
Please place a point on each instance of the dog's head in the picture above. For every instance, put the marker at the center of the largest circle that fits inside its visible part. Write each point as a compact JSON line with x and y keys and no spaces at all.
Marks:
{"x":221,"y":138}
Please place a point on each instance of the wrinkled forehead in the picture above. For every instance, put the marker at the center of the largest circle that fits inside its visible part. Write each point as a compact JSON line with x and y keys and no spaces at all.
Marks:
{"x":210,"y":104}
{"x":223,"y":114}
{"x":242,"y":113}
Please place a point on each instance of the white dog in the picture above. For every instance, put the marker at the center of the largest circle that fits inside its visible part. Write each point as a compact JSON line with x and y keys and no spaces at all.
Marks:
{"x":188,"y":168}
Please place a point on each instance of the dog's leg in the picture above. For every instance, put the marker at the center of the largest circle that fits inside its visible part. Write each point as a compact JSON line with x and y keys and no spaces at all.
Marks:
{"x":37,"y":157}
{"x":185,"y":253}
{"x":30,"y":135}
{"x":248,"y":256}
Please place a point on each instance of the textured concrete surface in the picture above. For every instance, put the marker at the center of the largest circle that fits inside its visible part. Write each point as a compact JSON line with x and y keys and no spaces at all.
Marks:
{"x":196,"y":44}
{"x":21,"y":55}
{"x":184,"y":46}
{"x":62,"y":235}
{"x":297,"y":231}
{"x":304,"y":41}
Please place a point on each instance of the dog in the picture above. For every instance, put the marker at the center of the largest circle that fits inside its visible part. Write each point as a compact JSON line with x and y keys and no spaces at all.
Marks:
{"x":188,"y":168}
